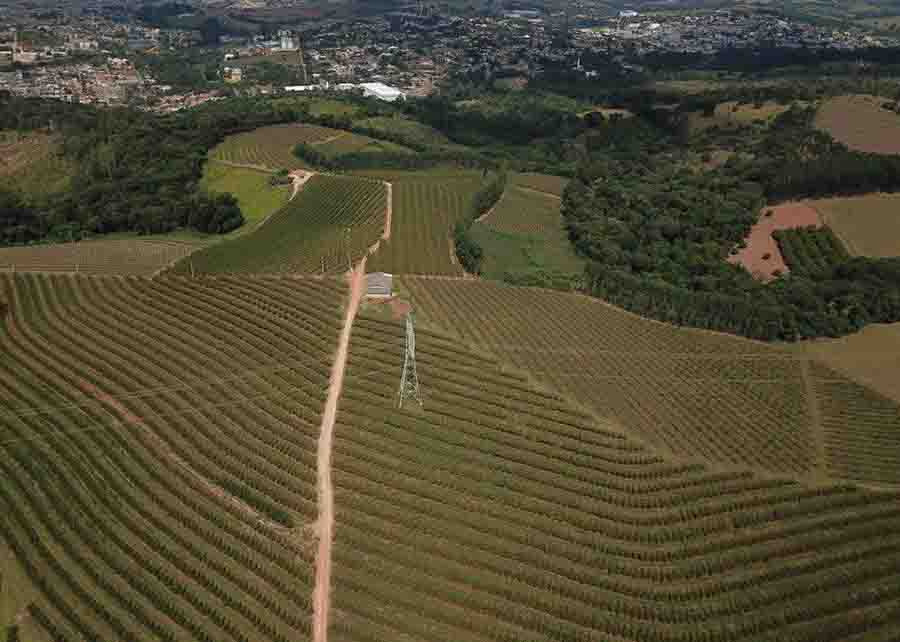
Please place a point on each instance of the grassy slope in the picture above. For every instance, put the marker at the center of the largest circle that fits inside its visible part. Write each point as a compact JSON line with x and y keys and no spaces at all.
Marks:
{"x":255,"y":195}
{"x":860,"y":123}
{"x":305,"y":232}
{"x":410,"y":129}
{"x":871,"y":356}
{"x":524,"y":234}
{"x":868,"y":225}
{"x":696,"y":394}
{"x":498,"y":511}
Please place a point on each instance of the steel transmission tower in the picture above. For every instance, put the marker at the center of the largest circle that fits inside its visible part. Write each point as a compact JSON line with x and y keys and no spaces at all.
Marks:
{"x":409,"y":380}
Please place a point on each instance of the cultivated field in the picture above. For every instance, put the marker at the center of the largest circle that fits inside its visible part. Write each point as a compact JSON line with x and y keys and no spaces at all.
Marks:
{"x":500,"y":512}
{"x":159,"y":452}
{"x":409,"y":129}
{"x":807,"y":251}
{"x":861,"y":123}
{"x":692,"y":393}
{"x":271,"y":148}
{"x":867,"y":225}
{"x":871,"y":356}
{"x":332,"y":219}
{"x":761,"y":257}
{"x":256,"y":196}
{"x":350,"y":143}
{"x":524,"y":233}
{"x":126,"y":256}
{"x":425,"y":211}
{"x":540,"y":182}
{"x":525,"y":212}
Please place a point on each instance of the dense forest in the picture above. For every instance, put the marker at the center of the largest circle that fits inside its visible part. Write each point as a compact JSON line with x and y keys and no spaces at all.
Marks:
{"x":135,"y":171}
{"x":657,"y":229}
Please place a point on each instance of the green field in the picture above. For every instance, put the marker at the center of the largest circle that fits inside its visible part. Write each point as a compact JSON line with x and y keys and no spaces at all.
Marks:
{"x":425,"y":211}
{"x":695,"y":394}
{"x":308,"y":234}
{"x":499,"y":511}
{"x":158,"y":443}
{"x":105,"y":256}
{"x":808,"y":251}
{"x":256,"y":196}
{"x":350,"y":143}
{"x":540,"y":182}
{"x":272,"y":147}
{"x":523,"y":235}
{"x":867,"y":225}
{"x":409,"y":129}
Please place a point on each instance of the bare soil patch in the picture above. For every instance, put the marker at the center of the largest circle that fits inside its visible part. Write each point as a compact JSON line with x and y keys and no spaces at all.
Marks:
{"x":761,"y":257}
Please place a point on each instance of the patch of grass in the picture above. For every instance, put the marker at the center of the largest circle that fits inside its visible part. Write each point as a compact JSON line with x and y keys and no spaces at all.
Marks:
{"x":524,"y":235}
{"x":540,"y":182}
{"x":350,"y":143}
{"x":861,"y":123}
{"x":409,"y":129}
{"x":256,"y":196}
{"x":868,"y":225}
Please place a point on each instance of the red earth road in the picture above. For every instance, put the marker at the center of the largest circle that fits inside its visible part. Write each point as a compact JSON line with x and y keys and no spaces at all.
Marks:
{"x":325,"y":523}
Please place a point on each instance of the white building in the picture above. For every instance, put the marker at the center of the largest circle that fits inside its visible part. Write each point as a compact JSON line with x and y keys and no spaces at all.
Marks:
{"x":382,"y":91}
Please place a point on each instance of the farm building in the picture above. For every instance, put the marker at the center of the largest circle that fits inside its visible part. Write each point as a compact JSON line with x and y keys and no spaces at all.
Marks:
{"x":381,"y":91}
{"x":379,"y":284}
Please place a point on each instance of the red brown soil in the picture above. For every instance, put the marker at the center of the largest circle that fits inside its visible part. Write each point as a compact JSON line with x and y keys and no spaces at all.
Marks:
{"x":322,"y":591}
{"x":760,"y":241}
{"x":389,"y":211}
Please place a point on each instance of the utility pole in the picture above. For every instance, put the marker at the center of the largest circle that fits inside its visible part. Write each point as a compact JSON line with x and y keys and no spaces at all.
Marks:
{"x":409,"y":380}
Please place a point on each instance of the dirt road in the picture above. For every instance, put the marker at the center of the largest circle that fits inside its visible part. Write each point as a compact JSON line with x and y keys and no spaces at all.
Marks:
{"x":299,"y":176}
{"x":389,"y":213}
{"x":322,"y":591}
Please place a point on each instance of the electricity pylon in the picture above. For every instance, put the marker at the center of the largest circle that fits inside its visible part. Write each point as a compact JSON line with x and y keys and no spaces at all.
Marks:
{"x":409,"y":380}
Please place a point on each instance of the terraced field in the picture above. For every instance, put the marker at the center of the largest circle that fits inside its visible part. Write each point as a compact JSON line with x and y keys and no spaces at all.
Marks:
{"x":715,"y":397}
{"x":332,"y":220}
{"x":350,"y":143}
{"x":499,"y":512}
{"x":540,"y":182}
{"x":158,"y":447}
{"x":425,"y":211}
{"x":127,"y":257}
{"x":271,"y":147}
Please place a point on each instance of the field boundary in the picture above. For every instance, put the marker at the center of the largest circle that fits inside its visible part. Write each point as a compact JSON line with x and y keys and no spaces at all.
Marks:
{"x":816,"y":427}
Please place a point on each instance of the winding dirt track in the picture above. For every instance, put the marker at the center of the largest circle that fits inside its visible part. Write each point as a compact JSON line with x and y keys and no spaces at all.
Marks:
{"x":322,"y":591}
